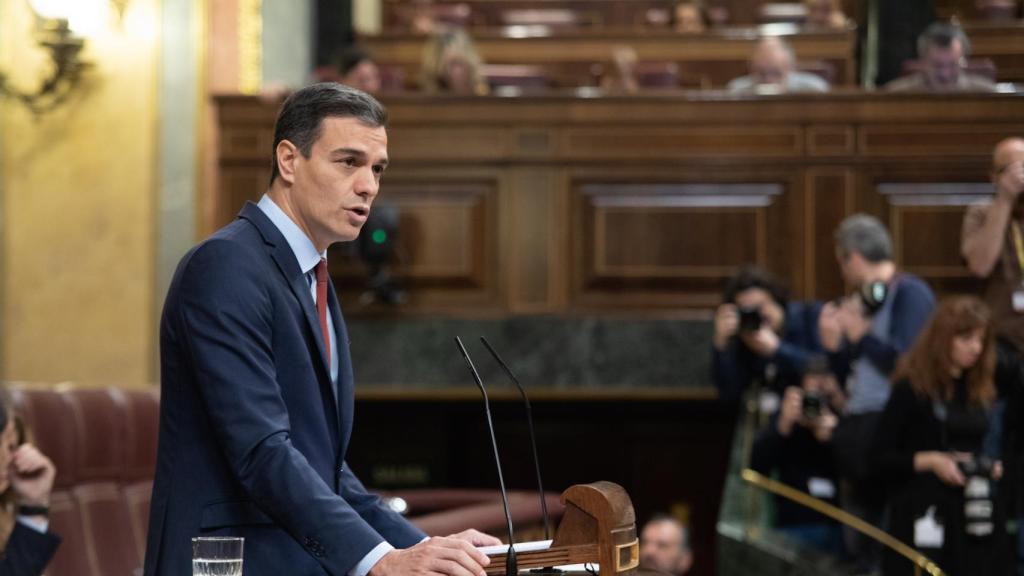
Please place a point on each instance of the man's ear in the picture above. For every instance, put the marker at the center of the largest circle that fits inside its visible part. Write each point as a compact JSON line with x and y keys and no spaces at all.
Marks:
{"x":287,"y":154}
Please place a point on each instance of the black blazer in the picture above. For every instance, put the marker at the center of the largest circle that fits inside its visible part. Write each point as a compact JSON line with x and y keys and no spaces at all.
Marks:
{"x":28,"y":552}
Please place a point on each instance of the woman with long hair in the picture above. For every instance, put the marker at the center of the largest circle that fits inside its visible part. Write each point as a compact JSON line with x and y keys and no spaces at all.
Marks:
{"x":451,"y":65}
{"x":26,"y":480}
{"x":930,"y":449}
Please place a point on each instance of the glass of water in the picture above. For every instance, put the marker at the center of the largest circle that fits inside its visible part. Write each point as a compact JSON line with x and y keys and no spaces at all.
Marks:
{"x":217,"y":556}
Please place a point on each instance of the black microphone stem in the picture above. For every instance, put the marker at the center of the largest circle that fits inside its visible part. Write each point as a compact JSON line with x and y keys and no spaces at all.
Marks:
{"x":511,"y":567}
{"x":533,"y":439}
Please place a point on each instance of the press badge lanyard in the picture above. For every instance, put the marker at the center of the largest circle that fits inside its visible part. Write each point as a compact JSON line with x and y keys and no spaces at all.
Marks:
{"x":1018,"y":246}
{"x":1018,"y":249}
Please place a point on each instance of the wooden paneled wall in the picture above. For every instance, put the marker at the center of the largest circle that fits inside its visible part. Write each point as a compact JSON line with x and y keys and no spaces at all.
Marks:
{"x":559,"y":204}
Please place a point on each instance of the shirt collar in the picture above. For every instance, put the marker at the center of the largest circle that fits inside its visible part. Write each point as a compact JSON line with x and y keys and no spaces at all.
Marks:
{"x":303,"y":248}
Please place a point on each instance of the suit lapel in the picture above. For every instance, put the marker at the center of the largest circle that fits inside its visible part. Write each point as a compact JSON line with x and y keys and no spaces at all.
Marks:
{"x":346,"y":381}
{"x":283,"y":256}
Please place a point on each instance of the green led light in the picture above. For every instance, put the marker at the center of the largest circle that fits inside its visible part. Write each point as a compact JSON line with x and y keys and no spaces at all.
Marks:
{"x":379,"y":236}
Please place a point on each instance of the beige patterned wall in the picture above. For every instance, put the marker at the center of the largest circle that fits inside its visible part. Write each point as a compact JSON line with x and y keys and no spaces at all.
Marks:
{"x":78,"y":187}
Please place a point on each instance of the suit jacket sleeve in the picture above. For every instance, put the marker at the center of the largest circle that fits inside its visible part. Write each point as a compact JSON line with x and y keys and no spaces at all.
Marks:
{"x":226,"y":321}
{"x":28,"y":552}
{"x":395,"y":529}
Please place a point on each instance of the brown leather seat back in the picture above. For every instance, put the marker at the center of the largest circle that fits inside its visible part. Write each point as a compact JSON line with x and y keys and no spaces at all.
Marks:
{"x":142,"y":420}
{"x":72,"y":558}
{"x":106,"y":525}
{"x":100,"y":426}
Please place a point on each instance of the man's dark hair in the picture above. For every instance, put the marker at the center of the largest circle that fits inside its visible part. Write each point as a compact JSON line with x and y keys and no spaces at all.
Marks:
{"x":817,"y":365}
{"x":865,"y":235}
{"x":351,"y":57}
{"x":752,"y":276}
{"x":301,"y":117}
{"x":942,"y":35}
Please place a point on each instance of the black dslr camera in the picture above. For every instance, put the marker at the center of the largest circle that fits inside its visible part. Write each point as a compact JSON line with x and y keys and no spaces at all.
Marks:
{"x":978,"y":495}
{"x":810,"y":406}
{"x":873,"y":295}
{"x":750,"y":319}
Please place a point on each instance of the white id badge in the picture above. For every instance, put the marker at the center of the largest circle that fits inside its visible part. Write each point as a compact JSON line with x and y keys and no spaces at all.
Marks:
{"x":1018,"y":300}
{"x":821,"y":488}
{"x":927,"y":532}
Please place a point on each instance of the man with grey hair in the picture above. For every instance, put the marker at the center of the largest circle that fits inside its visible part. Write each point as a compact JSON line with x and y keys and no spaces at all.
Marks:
{"x":942,"y":49}
{"x":772,"y":70}
{"x":865,"y":334}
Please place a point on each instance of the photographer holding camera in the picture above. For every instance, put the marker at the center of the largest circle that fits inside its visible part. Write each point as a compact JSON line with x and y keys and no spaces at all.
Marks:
{"x":798,"y":445}
{"x":760,"y":336}
{"x":864,"y":334}
{"x":930,"y":449}
{"x":992,"y":244}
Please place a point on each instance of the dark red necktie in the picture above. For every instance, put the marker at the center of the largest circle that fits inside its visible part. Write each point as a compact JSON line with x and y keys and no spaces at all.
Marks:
{"x":321,"y":305}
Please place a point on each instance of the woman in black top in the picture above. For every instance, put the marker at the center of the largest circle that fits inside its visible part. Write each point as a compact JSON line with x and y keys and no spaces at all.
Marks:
{"x":932,"y":432}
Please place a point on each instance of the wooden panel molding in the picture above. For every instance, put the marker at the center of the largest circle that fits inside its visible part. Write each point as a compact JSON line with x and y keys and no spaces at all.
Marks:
{"x":638,"y":238}
{"x":557,"y":204}
{"x":925,"y":220}
{"x":446,"y":247}
{"x":932,"y":140}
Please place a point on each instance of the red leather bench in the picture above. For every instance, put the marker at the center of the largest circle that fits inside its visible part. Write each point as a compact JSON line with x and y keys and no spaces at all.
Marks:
{"x":103,"y":443}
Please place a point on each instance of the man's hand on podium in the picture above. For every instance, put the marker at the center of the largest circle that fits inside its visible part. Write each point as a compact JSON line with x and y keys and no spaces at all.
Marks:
{"x":453,"y":555}
{"x":476,"y":538}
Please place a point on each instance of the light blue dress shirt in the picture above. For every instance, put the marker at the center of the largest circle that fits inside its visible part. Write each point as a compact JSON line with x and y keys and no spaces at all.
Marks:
{"x":308,"y":258}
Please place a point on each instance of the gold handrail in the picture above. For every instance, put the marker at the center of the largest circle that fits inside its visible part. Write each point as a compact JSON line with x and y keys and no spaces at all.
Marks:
{"x":919,"y":561}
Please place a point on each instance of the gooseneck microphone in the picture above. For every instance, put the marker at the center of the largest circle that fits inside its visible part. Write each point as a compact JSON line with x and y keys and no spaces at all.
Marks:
{"x":533,"y":439}
{"x":511,"y":568}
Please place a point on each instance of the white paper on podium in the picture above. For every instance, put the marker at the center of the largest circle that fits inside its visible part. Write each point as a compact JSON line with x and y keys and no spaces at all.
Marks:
{"x":518,"y":547}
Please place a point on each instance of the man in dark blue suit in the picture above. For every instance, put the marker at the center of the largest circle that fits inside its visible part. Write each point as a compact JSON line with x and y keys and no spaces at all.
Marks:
{"x":256,"y":379}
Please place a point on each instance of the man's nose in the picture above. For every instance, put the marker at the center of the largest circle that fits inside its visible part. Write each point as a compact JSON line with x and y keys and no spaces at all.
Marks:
{"x":367,"y":185}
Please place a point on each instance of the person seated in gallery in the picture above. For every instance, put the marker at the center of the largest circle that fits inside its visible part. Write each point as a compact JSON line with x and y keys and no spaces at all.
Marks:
{"x":451,"y":65}
{"x":621,"y":77}
{"x":358,"y":70}
{"x":760,"y":336}
{"x":689,"y":17}
{"x":26,"y":479}
{"x":943,"y":49}
{"x":825,"y":15}
{"x":773,"y":71}
{"x":665,"y":547}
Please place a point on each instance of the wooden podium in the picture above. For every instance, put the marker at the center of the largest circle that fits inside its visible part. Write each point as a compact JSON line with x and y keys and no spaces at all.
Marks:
{"x":599,"y":526}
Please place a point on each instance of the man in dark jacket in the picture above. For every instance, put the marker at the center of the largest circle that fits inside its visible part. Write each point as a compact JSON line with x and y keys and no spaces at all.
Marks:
{"x":759,"y":336}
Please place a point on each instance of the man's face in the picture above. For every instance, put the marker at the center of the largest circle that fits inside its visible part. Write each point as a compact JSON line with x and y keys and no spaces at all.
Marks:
{"x":688,"y":18}
{"x":760,"y":299}
{"x":770,"y":65}
{"x":1007,"y":153}
{"x":852,"y":267}
{"x":333,"y":189}
{"x":819,"y":12}
{"x":661,"y":548}
{"x":942,"y":65}
{"x":364,"y":76}
{"x":818,"y":383}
